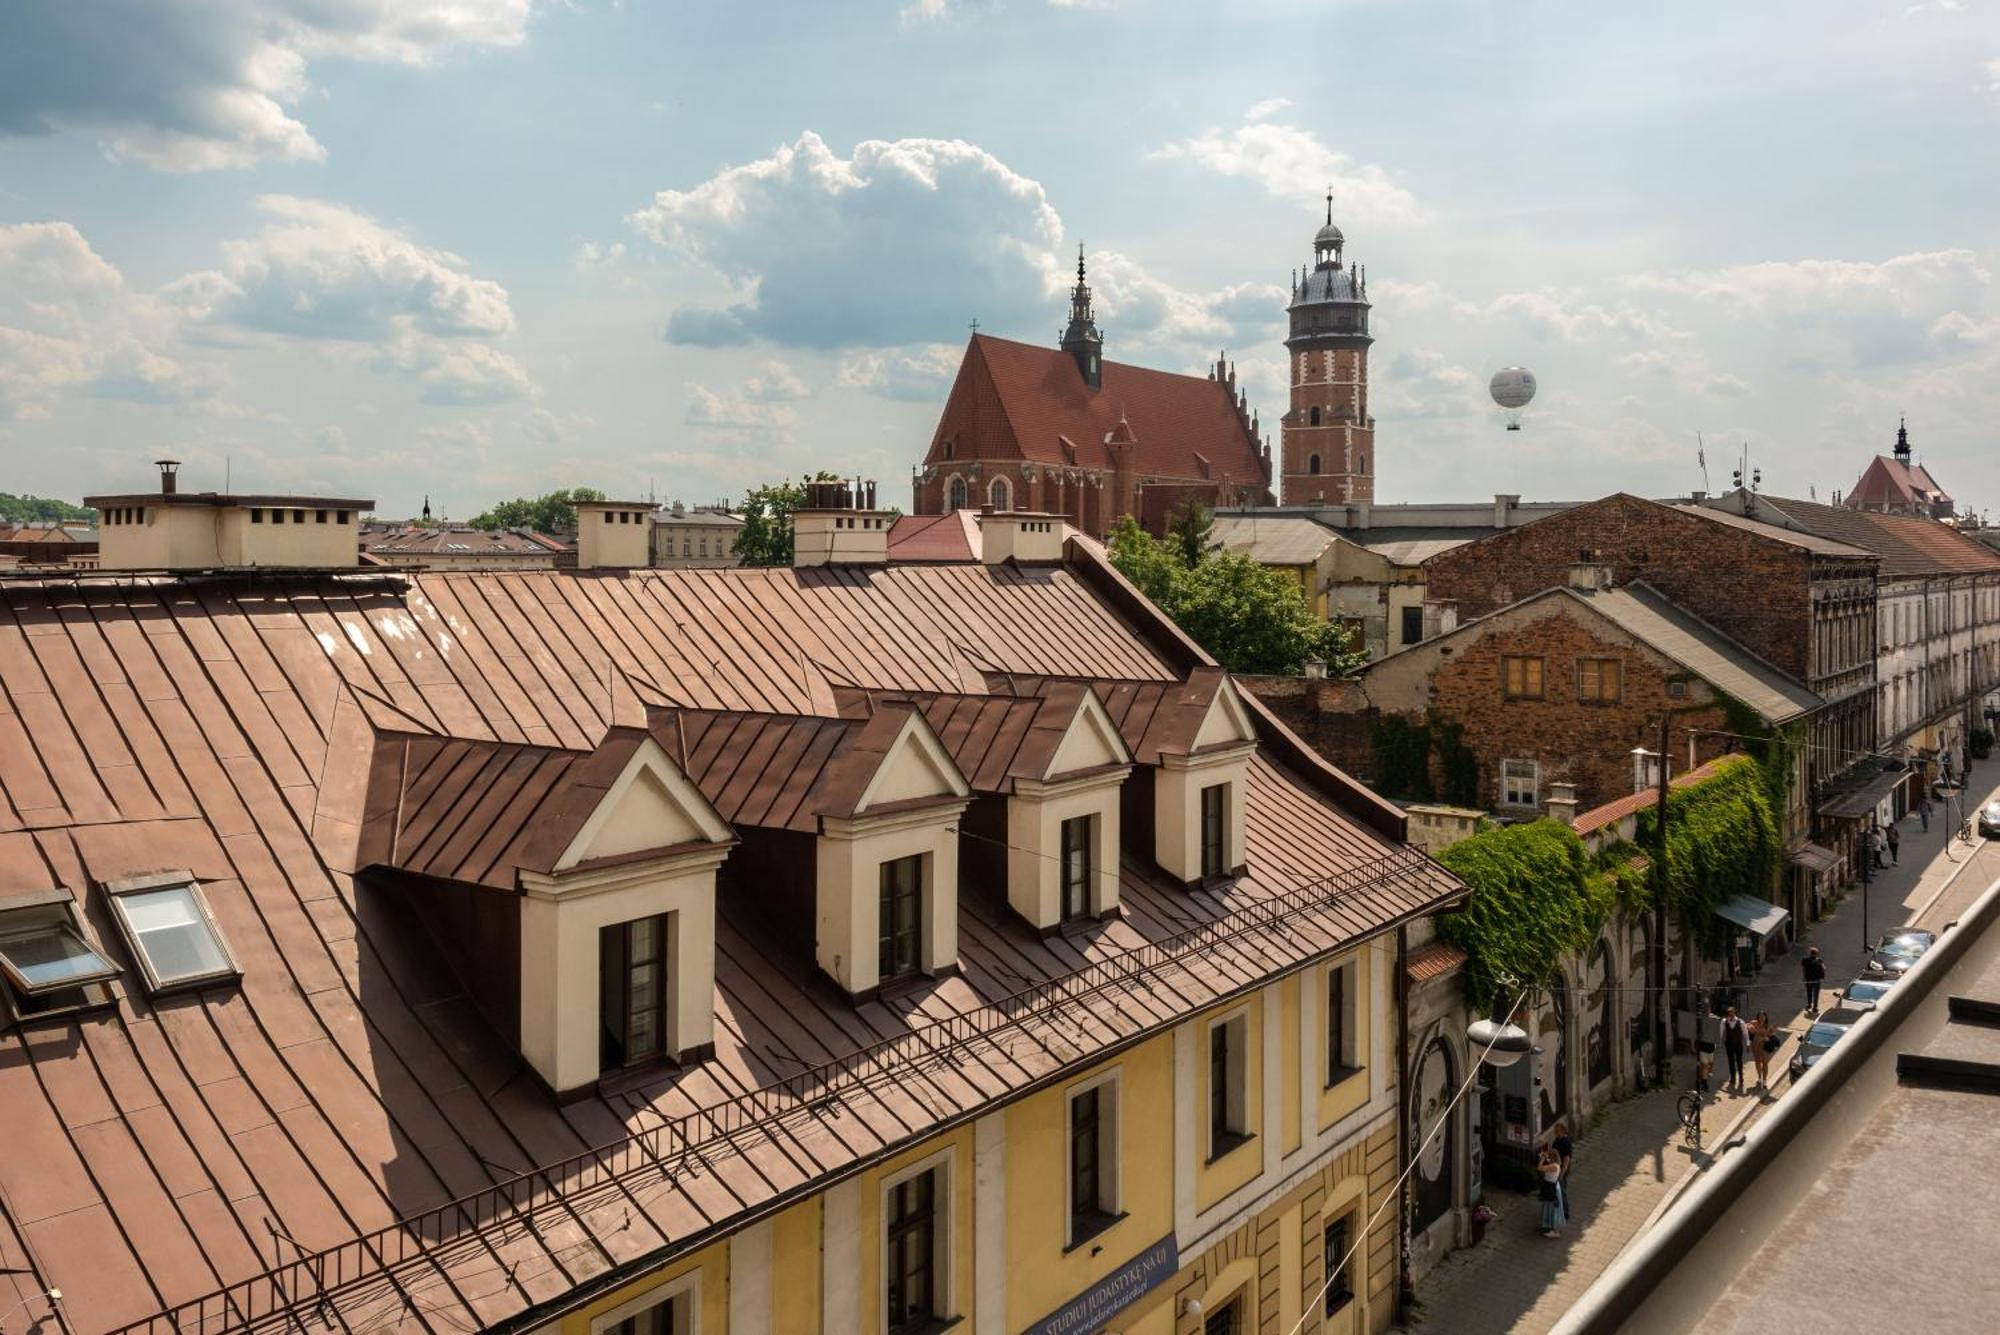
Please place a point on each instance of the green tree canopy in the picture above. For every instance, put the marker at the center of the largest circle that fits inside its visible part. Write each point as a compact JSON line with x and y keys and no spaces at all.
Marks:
{"x":553,"y":513}
{"x":766,"y":536}
{"x":1251,"y":619}
{"x":41,"y":510}
{"x":1191,"y":531}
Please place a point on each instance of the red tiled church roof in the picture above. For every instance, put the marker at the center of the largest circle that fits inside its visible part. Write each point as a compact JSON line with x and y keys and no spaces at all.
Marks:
{"x":1889,"y":481}
{"x":1019,"y":401}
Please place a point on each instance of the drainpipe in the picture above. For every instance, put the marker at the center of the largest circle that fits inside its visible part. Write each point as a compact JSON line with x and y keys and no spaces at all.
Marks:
{"x":1406,"y":1289}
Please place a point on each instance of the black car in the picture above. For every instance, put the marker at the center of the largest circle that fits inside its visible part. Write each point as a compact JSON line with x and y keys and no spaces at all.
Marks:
{"x":1822,"y":1034}
{"x":1897,"y":951}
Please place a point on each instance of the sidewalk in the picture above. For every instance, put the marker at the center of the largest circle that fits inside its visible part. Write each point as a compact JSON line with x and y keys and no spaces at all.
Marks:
{"x":1632,"y":1164}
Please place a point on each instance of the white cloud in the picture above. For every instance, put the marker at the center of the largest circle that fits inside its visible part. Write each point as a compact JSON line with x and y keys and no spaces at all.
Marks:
{"x":320,"y":270}
{"x":69,"y":322}
{"x":197,"y":87}
{"x":708,"y":408}
{"x":914,"y":375}
{"x":1269,"y":107}
{"x":1291,"y":163}
{"x":775,"y":382}
{"x":897,"y":243}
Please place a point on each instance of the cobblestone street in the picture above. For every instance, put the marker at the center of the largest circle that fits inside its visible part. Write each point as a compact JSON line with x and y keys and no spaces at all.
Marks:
{"x":1632,"y":1163}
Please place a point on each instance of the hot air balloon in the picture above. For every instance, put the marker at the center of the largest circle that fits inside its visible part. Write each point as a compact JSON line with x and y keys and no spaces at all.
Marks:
{"x":1513,"y":388}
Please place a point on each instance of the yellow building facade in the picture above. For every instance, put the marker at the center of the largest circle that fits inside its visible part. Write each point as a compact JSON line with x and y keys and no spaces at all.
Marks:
{"x":1234,"y":1150}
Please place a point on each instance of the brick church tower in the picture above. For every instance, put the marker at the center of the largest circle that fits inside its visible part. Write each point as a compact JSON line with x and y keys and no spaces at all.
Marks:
{"x":1328,"y":436}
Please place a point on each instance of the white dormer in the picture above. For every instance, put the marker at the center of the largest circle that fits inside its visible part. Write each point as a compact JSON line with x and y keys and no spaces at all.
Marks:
{"x":618,"y":935}
{"x":1202,"y":782}
{"x":886,"y":863}
{"x":1062,"y":818}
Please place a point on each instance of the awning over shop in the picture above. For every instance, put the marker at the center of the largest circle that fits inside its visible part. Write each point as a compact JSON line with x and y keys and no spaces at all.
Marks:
{"x":1863,"y":798}
{"x":1813,"y":857}
{"x":1752,"y":915}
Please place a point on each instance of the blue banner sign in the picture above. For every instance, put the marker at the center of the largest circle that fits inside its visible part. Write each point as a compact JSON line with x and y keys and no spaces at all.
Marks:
{"x":1114,"y":1293}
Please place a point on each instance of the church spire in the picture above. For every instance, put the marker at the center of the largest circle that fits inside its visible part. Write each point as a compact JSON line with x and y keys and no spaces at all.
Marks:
{"x":1081,"y":339}
{"x":1902,"y":441}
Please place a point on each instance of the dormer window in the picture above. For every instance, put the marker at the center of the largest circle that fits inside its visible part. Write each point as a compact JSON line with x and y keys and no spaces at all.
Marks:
{"x":901,"y":945}
{"x":632,"y":992}
{"x":1079,"y":838}
{"x":1063,"y":813}
{"x":173,"y":936}
{"x":1215,"y":830}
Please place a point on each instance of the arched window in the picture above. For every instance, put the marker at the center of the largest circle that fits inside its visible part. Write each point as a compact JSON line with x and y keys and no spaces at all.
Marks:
{"x":1360,"y":463}
{"x":1315,"y":415}
{"x":1312,"y":464}
{"x":1001,"y":494}
{"x":957,"y":493}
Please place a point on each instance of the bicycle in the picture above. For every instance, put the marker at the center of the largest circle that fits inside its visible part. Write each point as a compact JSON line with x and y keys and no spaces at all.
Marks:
{"x":1689,"y":1108}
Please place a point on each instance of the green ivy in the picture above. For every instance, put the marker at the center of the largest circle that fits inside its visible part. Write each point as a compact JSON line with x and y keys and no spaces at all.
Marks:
{"x":1402,"y":752}
{"x":1723,"y":839}
{"x":1457,"y":763}
{"x":1534,"y":899}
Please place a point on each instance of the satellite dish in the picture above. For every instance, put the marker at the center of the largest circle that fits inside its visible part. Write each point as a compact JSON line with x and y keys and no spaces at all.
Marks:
{"x":1513,"y":388}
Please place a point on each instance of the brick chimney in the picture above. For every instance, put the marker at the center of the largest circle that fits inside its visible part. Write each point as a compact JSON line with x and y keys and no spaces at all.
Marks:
{"x":838,"y":524}
{"x":1562,"y":803}
{"x":1589,"y":574}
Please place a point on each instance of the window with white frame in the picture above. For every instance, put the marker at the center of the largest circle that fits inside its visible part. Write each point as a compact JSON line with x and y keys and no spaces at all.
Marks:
{"x":166,"y":921}
{"x":1092,"y":1189}
{"x":1228,"y":1084}
{"x":672,"y":1309}
{"x":1343,"y":1037}
{"x":1520,"y":783}
{"x":916,"y":1248}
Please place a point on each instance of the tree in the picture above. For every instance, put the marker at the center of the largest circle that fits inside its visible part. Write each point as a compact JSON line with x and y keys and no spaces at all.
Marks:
{"x":40,"y":510}
{"x":1251,"y":619}
{"x":766,"y":536}
{"x":553,"y":513}
{"x":1191,"y":531}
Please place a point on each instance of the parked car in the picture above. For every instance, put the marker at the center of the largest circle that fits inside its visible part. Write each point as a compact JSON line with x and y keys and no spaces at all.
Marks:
{"x":1822,"y":1034}
{"x":1989,"y":821}
{"x":1865,"y":994}
{"x":1897,"y":951}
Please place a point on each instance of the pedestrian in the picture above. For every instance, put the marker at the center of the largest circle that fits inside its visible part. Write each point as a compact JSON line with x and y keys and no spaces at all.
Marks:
{"x":1735,"y":1039}
{"x":1814,"y":969}
{"x":1895,"y":844}
{"x":1763,"y":1042}
{"x":1550,"y":1169}
{"x":1924,"y":811}
{"x":1878,"y":848}
{"x":1565,"y":1150}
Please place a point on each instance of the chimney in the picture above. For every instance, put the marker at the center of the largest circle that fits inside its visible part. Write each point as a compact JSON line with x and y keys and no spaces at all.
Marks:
{"x":1588,"y":573}
{"x":1504,"y":505}
{"x":1019,"y":536}
{"x":1315,"y":669}
{"x":838,"y":524}
{"x":613,"y":535}
{"x":169,"y":481}
{"x":1562,"y":803}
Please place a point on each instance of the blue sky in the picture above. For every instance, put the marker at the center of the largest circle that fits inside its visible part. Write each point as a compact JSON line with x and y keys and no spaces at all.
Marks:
{"x":472,"y":248}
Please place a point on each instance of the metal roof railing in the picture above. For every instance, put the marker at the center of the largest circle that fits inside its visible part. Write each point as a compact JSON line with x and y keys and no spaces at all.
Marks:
{"x":393,"y":1256}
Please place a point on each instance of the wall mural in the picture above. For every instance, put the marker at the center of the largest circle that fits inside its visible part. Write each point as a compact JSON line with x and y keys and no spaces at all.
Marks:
{"x":1436,"y":1157}
{"x":1638,"y":978}
{"x":1600,"y":1009}
{"x":1552,"y":1063}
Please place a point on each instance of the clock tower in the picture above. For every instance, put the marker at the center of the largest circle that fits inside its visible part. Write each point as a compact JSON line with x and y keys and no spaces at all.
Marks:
{"x":1328,"y":437}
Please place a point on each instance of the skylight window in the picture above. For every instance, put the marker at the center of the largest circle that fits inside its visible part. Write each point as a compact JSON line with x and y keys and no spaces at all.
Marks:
{"x":45,"y":954}
{"x":172,"y":934}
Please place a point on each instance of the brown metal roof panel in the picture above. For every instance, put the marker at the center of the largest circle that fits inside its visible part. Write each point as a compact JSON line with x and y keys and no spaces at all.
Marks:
{"x":41,"y":1172}
{"x":171,"y":1256}
{"x":503,"y":805}
{"x":752,"y":766}
{"x":758,"y":805}
{"x":84,"y":1253}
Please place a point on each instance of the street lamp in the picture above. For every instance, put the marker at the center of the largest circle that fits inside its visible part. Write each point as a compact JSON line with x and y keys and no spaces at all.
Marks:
{"x":1500,"y":1042}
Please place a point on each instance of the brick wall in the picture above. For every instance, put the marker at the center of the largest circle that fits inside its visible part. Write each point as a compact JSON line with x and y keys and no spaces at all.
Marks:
{"x":1754,"y":588}
{"x":1588,"y":744}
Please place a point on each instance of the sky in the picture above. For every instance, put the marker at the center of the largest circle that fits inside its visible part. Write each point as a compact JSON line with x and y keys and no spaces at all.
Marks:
{"x":471,"y":249}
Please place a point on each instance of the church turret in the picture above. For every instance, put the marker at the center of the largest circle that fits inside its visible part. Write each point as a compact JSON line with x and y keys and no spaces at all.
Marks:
{"x":1327,"y":440}
{"x":1902,"y":442}
{"x":1081,"y":339}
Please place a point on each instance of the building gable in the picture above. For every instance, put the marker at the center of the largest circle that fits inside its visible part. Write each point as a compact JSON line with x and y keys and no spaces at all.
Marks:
{"x":650,"y":805}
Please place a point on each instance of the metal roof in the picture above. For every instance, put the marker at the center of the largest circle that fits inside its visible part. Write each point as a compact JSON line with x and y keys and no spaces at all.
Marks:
{"x":1273,"y":540}
{"x":1652,"y":618}
{"x":344,"y":1115}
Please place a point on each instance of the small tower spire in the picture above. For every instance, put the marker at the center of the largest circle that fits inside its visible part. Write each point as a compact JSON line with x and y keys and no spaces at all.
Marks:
{"x":1902,"y":441}
{"x":1081,"y":340}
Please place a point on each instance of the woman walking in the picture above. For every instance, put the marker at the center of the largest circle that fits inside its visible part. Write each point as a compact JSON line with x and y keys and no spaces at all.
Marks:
{"x":1550,"y":1169}
{"x":1763,"y":1042}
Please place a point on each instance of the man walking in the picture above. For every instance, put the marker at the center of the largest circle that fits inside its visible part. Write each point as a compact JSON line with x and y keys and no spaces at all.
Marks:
{"x":1924,"y":811}
{"x":1735,"y":1042}
{"x":1814,"y":969}
{"x":1895,"y":845}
